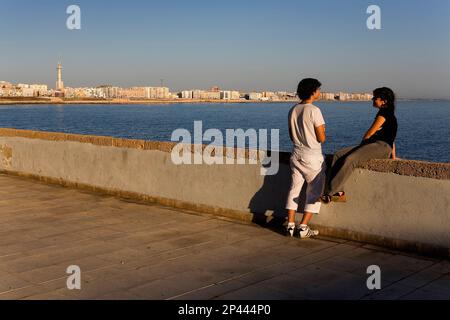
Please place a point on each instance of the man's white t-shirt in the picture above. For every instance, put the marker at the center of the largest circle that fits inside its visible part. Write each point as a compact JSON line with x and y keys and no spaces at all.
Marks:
{"x":303,"y":119}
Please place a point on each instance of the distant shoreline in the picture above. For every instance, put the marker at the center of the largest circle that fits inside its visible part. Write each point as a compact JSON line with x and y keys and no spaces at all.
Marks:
{"x":59,"y":101}
{"x":56,"y":101}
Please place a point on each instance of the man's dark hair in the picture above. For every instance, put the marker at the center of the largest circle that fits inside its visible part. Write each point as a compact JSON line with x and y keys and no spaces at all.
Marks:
{"x":307,"y":87}
{"x":387,"y":95}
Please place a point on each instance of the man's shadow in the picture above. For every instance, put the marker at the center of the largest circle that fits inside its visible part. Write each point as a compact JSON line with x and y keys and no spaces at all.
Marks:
{"x":268,"y":205}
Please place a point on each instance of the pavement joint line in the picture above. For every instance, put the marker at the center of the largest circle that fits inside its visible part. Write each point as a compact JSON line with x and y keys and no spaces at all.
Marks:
{"x":83,"y":272}
{"x":174,"y":250}
{"x":48,"y":282}
{"x":368,"y":295}
{"x":30,"y":286}
{"x":423,"y":286}
{"x":193,"y":246}
{"x":16,"y":289}
{"x":194,"y":290}
{"x":374,"y":248}
{"x":9,"y":255}
{"x":52,"y":246}
{"x":199,"y":244}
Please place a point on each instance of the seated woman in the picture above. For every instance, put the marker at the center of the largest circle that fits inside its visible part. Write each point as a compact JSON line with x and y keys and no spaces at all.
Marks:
{"x":378,"y":143}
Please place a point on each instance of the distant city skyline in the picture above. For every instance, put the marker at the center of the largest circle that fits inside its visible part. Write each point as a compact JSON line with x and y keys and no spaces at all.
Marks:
{"x":38,"y":91}
{"x":245,"y":46}
{"x":60,"y":84}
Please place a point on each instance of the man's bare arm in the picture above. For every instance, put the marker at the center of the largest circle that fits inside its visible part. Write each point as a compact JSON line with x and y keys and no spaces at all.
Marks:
{"x":320,"y":134}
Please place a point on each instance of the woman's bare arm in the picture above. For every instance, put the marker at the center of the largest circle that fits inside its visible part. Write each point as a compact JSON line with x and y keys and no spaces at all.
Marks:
{"x":379,"y":121}
{"x":394,"y":153}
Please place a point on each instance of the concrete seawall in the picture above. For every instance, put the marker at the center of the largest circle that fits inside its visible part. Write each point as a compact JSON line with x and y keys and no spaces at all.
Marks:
{"x":397,"y":204}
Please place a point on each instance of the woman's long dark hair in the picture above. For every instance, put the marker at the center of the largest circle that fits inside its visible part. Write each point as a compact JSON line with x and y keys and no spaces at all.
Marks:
{"x":387,"y":95}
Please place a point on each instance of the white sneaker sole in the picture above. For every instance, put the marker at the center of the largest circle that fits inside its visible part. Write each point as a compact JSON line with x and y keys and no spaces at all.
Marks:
{"x":312,"y":235}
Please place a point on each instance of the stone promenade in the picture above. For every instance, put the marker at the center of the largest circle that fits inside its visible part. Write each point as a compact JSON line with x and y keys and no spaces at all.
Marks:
{"x":129,"y":250}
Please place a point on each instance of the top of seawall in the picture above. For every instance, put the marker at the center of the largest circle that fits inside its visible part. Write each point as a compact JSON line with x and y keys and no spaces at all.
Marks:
{"x":440,"y":171}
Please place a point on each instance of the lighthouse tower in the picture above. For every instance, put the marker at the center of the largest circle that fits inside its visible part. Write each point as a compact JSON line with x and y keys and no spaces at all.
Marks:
{"x":59,"y":82}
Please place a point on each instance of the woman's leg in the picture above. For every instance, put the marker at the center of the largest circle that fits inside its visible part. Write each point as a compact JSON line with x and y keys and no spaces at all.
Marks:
{"x":377,"y":150}
{"x":338,"y":160}
{"x":342,"y":153}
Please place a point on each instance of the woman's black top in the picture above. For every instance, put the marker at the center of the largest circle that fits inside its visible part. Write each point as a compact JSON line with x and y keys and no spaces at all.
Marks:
{"x":388,"y":130}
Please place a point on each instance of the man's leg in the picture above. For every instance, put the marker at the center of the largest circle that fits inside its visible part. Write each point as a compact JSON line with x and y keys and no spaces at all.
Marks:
{"x":294,"y":195}
{"x":305,"y":231}
{"x":314,"y":190}
{"x":291,"y":216}
{"x":306,"y":218}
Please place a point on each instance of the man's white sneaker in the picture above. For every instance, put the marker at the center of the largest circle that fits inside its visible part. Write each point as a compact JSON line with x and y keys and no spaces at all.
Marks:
{"x":307,"y":233}
{"x":290,"y":231}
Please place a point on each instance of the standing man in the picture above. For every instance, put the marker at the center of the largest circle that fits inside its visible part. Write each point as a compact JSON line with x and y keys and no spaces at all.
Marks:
{"x":307,"y":132}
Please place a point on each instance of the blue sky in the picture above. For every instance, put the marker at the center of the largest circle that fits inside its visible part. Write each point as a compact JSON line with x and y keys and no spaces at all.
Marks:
{"x":248,"y":45}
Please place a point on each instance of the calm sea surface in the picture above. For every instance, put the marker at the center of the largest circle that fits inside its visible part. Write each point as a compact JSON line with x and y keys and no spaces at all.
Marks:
{"x":424,"y":132}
